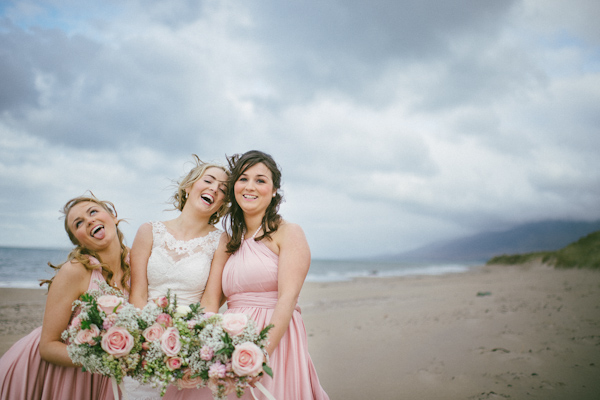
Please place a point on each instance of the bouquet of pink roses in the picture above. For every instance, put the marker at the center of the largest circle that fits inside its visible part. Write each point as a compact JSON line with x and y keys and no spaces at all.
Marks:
{"x":231,"y":355}
{"x":104,"y":338}
{"x":169,"y":339}
{"x":187,"y":348}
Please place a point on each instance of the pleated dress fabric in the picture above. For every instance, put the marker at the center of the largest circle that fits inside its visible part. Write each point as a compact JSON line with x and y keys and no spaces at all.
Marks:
{"x":25,"y":376}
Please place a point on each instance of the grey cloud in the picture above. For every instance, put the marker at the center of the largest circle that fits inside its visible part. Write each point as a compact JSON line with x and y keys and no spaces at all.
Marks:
{"x":76,"y":89}
{"x":18,"y":88}
{"x":373,"y":30}
{"x":345,"y":45}
{"x":409,"y":120}
{"x":173,"y":14}
{"x":480,"y":78}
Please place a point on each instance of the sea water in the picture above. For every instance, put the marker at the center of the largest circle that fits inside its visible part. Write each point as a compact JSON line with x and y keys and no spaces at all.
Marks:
{"x":24,"y":267}
{"x":344,"y":270}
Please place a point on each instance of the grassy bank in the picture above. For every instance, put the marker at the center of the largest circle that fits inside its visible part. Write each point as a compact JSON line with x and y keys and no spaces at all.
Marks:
{"x":584,"y":253}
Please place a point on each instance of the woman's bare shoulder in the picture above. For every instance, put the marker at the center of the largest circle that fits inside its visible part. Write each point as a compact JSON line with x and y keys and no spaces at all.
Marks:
{"x":71,"y":272}
{"x":288,"y":232}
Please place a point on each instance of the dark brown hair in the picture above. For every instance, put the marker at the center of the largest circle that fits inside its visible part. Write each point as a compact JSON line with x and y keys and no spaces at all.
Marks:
{"x":82,"y":254}
{"x":238,"y":164}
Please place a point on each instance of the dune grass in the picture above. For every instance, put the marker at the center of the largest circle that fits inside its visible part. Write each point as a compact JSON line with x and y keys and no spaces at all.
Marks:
{"x":584,"y":253}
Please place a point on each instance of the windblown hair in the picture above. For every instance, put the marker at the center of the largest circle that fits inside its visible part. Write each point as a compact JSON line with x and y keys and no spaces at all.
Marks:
{"x":179,"y":198}
{"x":238,"y":164}
{"x":82,"y":254}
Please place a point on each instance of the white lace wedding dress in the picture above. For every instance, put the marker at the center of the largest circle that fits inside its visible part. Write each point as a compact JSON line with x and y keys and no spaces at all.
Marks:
{"x":182,"y":266}
{"x":178,"y":265}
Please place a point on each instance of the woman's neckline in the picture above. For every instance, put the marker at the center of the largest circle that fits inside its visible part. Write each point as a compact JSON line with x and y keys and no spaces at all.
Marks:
{"x":185,"y":240}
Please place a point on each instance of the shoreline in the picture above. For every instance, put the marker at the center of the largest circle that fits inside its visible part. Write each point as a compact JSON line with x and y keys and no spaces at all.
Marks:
{"x":492,"y":332}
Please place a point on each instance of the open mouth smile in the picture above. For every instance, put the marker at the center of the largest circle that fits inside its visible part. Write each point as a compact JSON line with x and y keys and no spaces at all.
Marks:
{"x":207,"y":199}
{"x":97,"y":232}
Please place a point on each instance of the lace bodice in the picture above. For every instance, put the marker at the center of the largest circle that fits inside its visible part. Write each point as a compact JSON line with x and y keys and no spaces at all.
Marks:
{"x":179,"y":265}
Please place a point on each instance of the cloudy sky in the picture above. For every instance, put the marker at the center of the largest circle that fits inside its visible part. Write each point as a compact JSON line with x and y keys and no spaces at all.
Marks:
{"x":395,"y":123}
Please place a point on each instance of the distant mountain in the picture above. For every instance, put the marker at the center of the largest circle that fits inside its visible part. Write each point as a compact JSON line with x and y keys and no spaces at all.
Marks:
{"x":531,"y":237}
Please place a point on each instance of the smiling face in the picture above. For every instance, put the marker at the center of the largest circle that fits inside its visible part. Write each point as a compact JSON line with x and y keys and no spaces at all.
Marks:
{"x":254,"y":189}
{"x":91,"y":225}
{"x":208,"y":192}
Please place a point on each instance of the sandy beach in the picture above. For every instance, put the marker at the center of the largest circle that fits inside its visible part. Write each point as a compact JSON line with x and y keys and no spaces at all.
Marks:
{"x":496,"y":332}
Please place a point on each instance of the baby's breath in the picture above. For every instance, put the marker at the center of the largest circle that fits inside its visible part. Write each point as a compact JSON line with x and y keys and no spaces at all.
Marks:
{"x":92,"y":357}
{"x":185,"y":341}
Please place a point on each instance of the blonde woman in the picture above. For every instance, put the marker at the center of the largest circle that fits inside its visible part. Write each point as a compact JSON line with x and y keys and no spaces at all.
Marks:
{"x":176,"y":255}
{"x":38,"y":366}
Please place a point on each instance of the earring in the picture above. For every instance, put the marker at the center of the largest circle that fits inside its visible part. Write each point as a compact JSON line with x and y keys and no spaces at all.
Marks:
{"x":186,"y":195}
{"x":274,"y":194}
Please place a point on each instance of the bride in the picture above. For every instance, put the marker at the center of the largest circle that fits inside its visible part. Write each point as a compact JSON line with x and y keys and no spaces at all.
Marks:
{"x":177,"y":254}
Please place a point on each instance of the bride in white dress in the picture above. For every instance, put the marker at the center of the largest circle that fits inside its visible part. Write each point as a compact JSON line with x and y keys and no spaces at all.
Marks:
{"x":177,"y":254}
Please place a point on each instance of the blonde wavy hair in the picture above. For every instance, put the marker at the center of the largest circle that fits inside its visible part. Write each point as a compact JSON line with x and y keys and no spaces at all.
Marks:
{"x":82,"y":254}
{"x":179,"y":198}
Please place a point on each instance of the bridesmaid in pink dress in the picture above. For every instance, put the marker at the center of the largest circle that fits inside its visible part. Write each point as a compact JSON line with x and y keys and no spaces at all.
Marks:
{"x":268,"y":262}
{"x":38,"y":366}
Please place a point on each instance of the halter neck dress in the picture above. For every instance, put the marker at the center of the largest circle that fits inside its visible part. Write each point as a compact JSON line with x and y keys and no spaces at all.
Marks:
{"x":250,"y":285}
{"x":24,"y":375}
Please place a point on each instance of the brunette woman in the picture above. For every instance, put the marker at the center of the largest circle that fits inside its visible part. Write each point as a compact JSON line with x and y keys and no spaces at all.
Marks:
{"x":269,"y":258}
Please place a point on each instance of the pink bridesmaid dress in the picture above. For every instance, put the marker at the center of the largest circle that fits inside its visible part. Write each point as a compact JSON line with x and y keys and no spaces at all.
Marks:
{"x":250,"y":284}
{"x":24,"y":375}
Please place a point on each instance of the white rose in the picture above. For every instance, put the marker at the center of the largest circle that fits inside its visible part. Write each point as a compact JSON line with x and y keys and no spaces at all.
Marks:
{"x":182,"y":311}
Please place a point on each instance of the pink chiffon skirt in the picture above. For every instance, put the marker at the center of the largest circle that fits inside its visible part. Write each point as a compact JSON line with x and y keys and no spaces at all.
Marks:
{"x":294,"y":375}
{"x":25,"y":376}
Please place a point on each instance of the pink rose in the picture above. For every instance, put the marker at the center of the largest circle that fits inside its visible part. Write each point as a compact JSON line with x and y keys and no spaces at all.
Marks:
{"x":165,"y":320}
{"x":117,"y":341}
{"x":146,"y":346}
{"x":170,"y":343}
{"x":174,"y":363}
{"x":109,"y":303}
{"x":87,"y":335}
{"x":247,"y":359}
{"x":75,"y":322}
{"x":187,"y":382}
{"x":153,"y":332}
{"x":234,"y":323}
{"x":162,"y":301}
{"x":208,"y":314}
